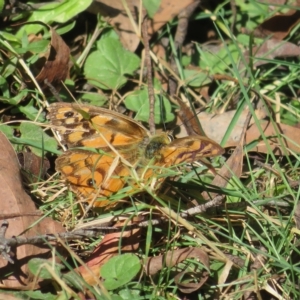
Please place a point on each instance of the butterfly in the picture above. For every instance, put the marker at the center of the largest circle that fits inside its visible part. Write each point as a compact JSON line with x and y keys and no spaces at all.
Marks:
{"x":108,"y":150}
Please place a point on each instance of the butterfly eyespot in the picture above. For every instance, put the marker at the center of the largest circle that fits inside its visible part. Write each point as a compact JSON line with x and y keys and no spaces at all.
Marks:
{"x":69,"y":114}
{"x":90,"y":182}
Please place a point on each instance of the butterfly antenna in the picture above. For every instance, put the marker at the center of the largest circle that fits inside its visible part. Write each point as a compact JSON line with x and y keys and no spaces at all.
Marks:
{"x":53,"y":90}
{"x":189,"y":118}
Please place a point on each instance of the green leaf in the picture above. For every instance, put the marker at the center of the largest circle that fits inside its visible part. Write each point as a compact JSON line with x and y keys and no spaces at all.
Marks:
{"x":73,"y":280}
{"x":12,"y":100}
{"x":34,"y":136}
{"x":138,"y":102}
{"x":31,"y":112}
{"x":106,"y":67}
{"x":120,"y":270}
{"x":34,"y":47}
{"x":1,"y":5}
{"x":151,"y":6}
{"x":94,"y":99}
{"x":7,"y":130}
{"x":40,"y":267}
{"x":196,"y":78}
{"x":36,"y":295}
{"x":59,"y":12}
{"x":130,"y":294}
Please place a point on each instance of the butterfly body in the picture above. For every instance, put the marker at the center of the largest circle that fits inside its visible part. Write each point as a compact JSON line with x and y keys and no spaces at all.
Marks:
{"x":119,"y":149}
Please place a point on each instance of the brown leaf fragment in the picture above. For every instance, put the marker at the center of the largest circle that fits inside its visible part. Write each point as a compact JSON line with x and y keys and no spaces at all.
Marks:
{"x":56,"y":67}
{"x":216,"y":126}
{"x":35,"y":167}
{"x":118,"y":17}
{"x":279,"y":25}
{"x":233,"y":165}
{"x":109,"y":247}
{"x":190,"y":287}
{"x":289,"y":137}
{"x":173,"y":258}
{"x":189,"y":120}
{"x":15,"y":202}
{"x":272,"y":48}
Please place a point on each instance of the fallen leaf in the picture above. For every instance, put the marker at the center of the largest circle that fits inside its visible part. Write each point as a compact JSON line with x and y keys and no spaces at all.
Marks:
{"x":56,"y":67}
{"x":15,"y":201}
{"x":189,"y":120}
{"x":53,"y":64}
{"x":34,"y":167}
{"x":270,"y":49}
{"x":216,"y":125}
{"x":233,"y":165}
{"x":279,"y":25}
{"x":118,"y":17}
{"x":172,"y":258}
{"x":193,"y":126}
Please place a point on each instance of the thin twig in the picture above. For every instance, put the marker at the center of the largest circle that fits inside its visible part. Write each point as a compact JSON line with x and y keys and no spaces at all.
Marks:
{"x":92,"y":232}
{"x":149,"y":76}
{"x":181,"y":31}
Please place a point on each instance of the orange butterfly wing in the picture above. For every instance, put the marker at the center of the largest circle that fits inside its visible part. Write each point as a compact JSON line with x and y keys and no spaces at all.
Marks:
{"x":96,"y":175}
{"x":125,"y":145}
{"x":188,"y":149}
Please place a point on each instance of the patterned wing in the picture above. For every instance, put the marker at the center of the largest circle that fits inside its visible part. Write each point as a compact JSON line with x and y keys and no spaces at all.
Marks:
{"x":188,"y":149}
{"x":93,"y":176}
{"x":90,"y":126}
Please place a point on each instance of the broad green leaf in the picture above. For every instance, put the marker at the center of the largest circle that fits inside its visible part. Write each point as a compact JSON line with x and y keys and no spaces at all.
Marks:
{"x":130,"y":294}
{"x":31,"y":112}
{"x":34,"y":47}
{"x":106,"y":67}
{"x":73,"y":280}
{"x":59,"y":12}
{"x":138,"y":102}
{"x":196,"y":78}
{"x":35,"y":137}
{"x":120,"y":270}
{"x":218,"y":62}
{"x":36,"y":295}
{"x":7,"y":130}
{"x":9,"y":37}
{"x":151,"y":6}
{"x":94,"y":99}
{"x":40,"y":267}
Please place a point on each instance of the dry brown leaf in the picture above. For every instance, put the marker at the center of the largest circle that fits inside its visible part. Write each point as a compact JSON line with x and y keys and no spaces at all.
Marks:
{"x":173,"y":258}
{"x":279,"y":25}
{"x":114,"y":10}
{"x":56,"y":68}
{"x":190,"y":122}
{"x":234,"y":164}
{"x":14,"y":201}
{"x":108,"y":248}
{"x":34,"y":166}
{"x":216,"y":125}
{"x":270,"y":49}
{"x":190,"y":287}
{"x":290,"y":138}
